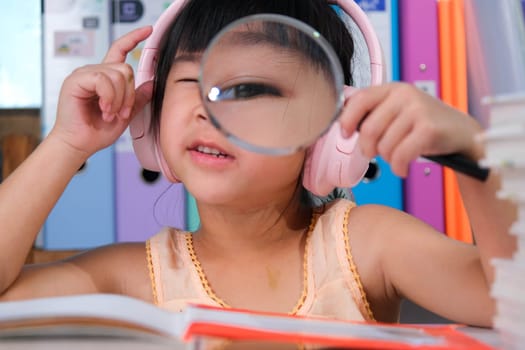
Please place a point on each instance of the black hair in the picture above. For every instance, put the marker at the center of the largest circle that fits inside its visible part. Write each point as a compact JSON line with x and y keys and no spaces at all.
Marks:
{"x":199,"y":21}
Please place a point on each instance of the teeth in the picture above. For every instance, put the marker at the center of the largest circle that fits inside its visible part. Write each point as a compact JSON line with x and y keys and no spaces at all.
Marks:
{"x":212,"y":151}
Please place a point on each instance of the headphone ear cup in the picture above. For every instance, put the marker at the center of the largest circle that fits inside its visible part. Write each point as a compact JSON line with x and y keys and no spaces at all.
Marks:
{"x":146,"y":148}
{"x":143,"y":140}
{"x":333,"y":161}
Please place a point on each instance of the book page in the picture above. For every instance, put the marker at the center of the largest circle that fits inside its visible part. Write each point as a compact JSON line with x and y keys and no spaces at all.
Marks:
{"x":102,"y":309}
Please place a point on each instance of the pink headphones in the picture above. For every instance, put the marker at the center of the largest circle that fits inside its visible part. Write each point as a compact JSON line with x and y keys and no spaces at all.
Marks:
{"x":332,"y":161}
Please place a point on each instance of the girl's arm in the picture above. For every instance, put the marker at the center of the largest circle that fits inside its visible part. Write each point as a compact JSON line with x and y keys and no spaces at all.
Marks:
{"x":490,"y":218}
{"x":448,"y":277}
{"x":27,"y":197}
{"x":95,"y":105}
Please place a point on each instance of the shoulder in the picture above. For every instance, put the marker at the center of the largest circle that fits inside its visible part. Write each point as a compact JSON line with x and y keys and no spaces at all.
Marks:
{"x":380,"y":231}
{"x":386,"y":228}
{"x":118,"y":268}
{"x":372,"y":232}
{"x":114,"y":269}
{"x":371,"y":218}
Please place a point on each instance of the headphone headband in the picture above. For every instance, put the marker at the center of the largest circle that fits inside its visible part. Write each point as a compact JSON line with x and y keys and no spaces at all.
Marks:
{"x":352,"y":9}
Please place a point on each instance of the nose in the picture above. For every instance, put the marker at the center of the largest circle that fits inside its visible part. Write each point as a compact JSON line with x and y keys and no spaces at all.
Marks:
{"x":203,"y":114}
{"x":200,"y":111}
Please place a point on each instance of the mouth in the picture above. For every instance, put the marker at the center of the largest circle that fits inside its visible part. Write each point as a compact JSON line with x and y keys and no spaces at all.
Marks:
{"x":210,"y":151}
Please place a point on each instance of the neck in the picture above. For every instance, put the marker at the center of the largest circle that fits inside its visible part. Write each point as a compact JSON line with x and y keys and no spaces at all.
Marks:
{"x":241,"y":229}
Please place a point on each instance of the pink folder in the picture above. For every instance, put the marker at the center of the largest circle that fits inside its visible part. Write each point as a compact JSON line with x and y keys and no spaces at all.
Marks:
{"x":419,"y":43}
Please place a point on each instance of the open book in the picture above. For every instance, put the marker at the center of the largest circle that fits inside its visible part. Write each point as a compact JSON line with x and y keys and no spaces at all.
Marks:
{"x":204,"y":321}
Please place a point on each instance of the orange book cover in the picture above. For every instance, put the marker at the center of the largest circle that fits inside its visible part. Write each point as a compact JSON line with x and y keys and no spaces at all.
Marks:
{"x":322,"y":333}
{"x":453,"y":64}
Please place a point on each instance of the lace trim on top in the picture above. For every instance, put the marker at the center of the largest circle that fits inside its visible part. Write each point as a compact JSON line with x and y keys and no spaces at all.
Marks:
{"x":353,"y":268}
{"x":209,"y":291}
{"x":151,"y":273}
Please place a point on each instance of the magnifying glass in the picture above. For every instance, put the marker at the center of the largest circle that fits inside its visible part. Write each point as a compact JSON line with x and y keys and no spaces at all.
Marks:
{"x":271,"y":84}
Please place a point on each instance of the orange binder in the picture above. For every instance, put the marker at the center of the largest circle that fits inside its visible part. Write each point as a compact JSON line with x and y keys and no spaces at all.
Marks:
{"x":453,"y":58}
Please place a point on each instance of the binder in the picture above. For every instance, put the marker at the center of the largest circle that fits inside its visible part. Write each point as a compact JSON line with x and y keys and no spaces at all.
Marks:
{"x":145,"y":200}
{"x":454,"y":92}
{"x":76,"y":33}
{"x":423,"y":193}
{"x":192,"y":215}
{"x":419,"y":42}
{"x":381,"y":185}
{"x":84,"y":215}
{"x":384,"y":17}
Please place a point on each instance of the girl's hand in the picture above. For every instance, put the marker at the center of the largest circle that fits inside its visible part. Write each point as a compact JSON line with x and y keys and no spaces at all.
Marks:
{"x":400,"y":122}
{"x":97,"y":101}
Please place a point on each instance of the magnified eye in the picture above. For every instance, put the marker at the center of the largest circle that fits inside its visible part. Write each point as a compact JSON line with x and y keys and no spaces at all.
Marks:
{"x":243,"y":91}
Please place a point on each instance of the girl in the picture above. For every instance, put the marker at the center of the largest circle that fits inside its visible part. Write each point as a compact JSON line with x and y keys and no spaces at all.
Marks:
{"x":259,"y":246}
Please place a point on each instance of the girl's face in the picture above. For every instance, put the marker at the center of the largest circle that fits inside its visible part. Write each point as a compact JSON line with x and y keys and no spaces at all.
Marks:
{"x":212,"y":169}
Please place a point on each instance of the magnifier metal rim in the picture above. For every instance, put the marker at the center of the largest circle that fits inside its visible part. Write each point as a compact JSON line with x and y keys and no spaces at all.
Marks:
{"x":335,"y":65}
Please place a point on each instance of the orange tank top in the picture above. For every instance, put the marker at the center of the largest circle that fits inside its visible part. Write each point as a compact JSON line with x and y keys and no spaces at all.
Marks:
{"x":332,"y":284}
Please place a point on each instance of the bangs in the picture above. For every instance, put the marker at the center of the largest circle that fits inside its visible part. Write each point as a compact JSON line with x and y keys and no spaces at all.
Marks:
{"x":201,"y":20}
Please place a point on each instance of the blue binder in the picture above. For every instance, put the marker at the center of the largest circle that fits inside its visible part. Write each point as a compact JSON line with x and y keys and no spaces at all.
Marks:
{"x":381,"y":185}
{"x":84,"y":216}
{"x":76,"y":33}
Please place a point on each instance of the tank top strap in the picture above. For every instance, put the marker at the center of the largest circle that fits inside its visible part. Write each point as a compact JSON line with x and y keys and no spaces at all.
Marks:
{"x":335,"y":289}
{"x":174,"y":281}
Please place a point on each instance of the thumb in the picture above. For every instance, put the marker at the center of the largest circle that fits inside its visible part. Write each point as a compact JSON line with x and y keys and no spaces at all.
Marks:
{"x":349,"y":120}
{"x":143,"y":95}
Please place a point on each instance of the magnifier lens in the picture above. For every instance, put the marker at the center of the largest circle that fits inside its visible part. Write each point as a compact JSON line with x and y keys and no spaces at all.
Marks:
{"x":271,"y":84}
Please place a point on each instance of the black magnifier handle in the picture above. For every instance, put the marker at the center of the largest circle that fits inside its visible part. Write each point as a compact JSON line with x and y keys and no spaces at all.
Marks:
{"x":462,"y":164}
{"x":455,"y":161}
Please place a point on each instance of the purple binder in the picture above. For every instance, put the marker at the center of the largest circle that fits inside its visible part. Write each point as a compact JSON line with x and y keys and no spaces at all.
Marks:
{"x":145,"y":201}
{"x":424,"y":193}
{"x":420,"y":66}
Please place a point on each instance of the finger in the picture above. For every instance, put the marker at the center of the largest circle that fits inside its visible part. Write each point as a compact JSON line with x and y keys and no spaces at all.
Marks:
{"x":121,"y":47}
{"x":376,"y":124}
{"x":97,"y":83}
{"x":358,"y":105}
{"x":404,"y":153}
{"x":128,"y":98}
{"x":112,"y":104}
{"x":143,"y":96}
{"x":86,"y":84}
{"x":396,"y":132}
{"x":123,"y":79}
